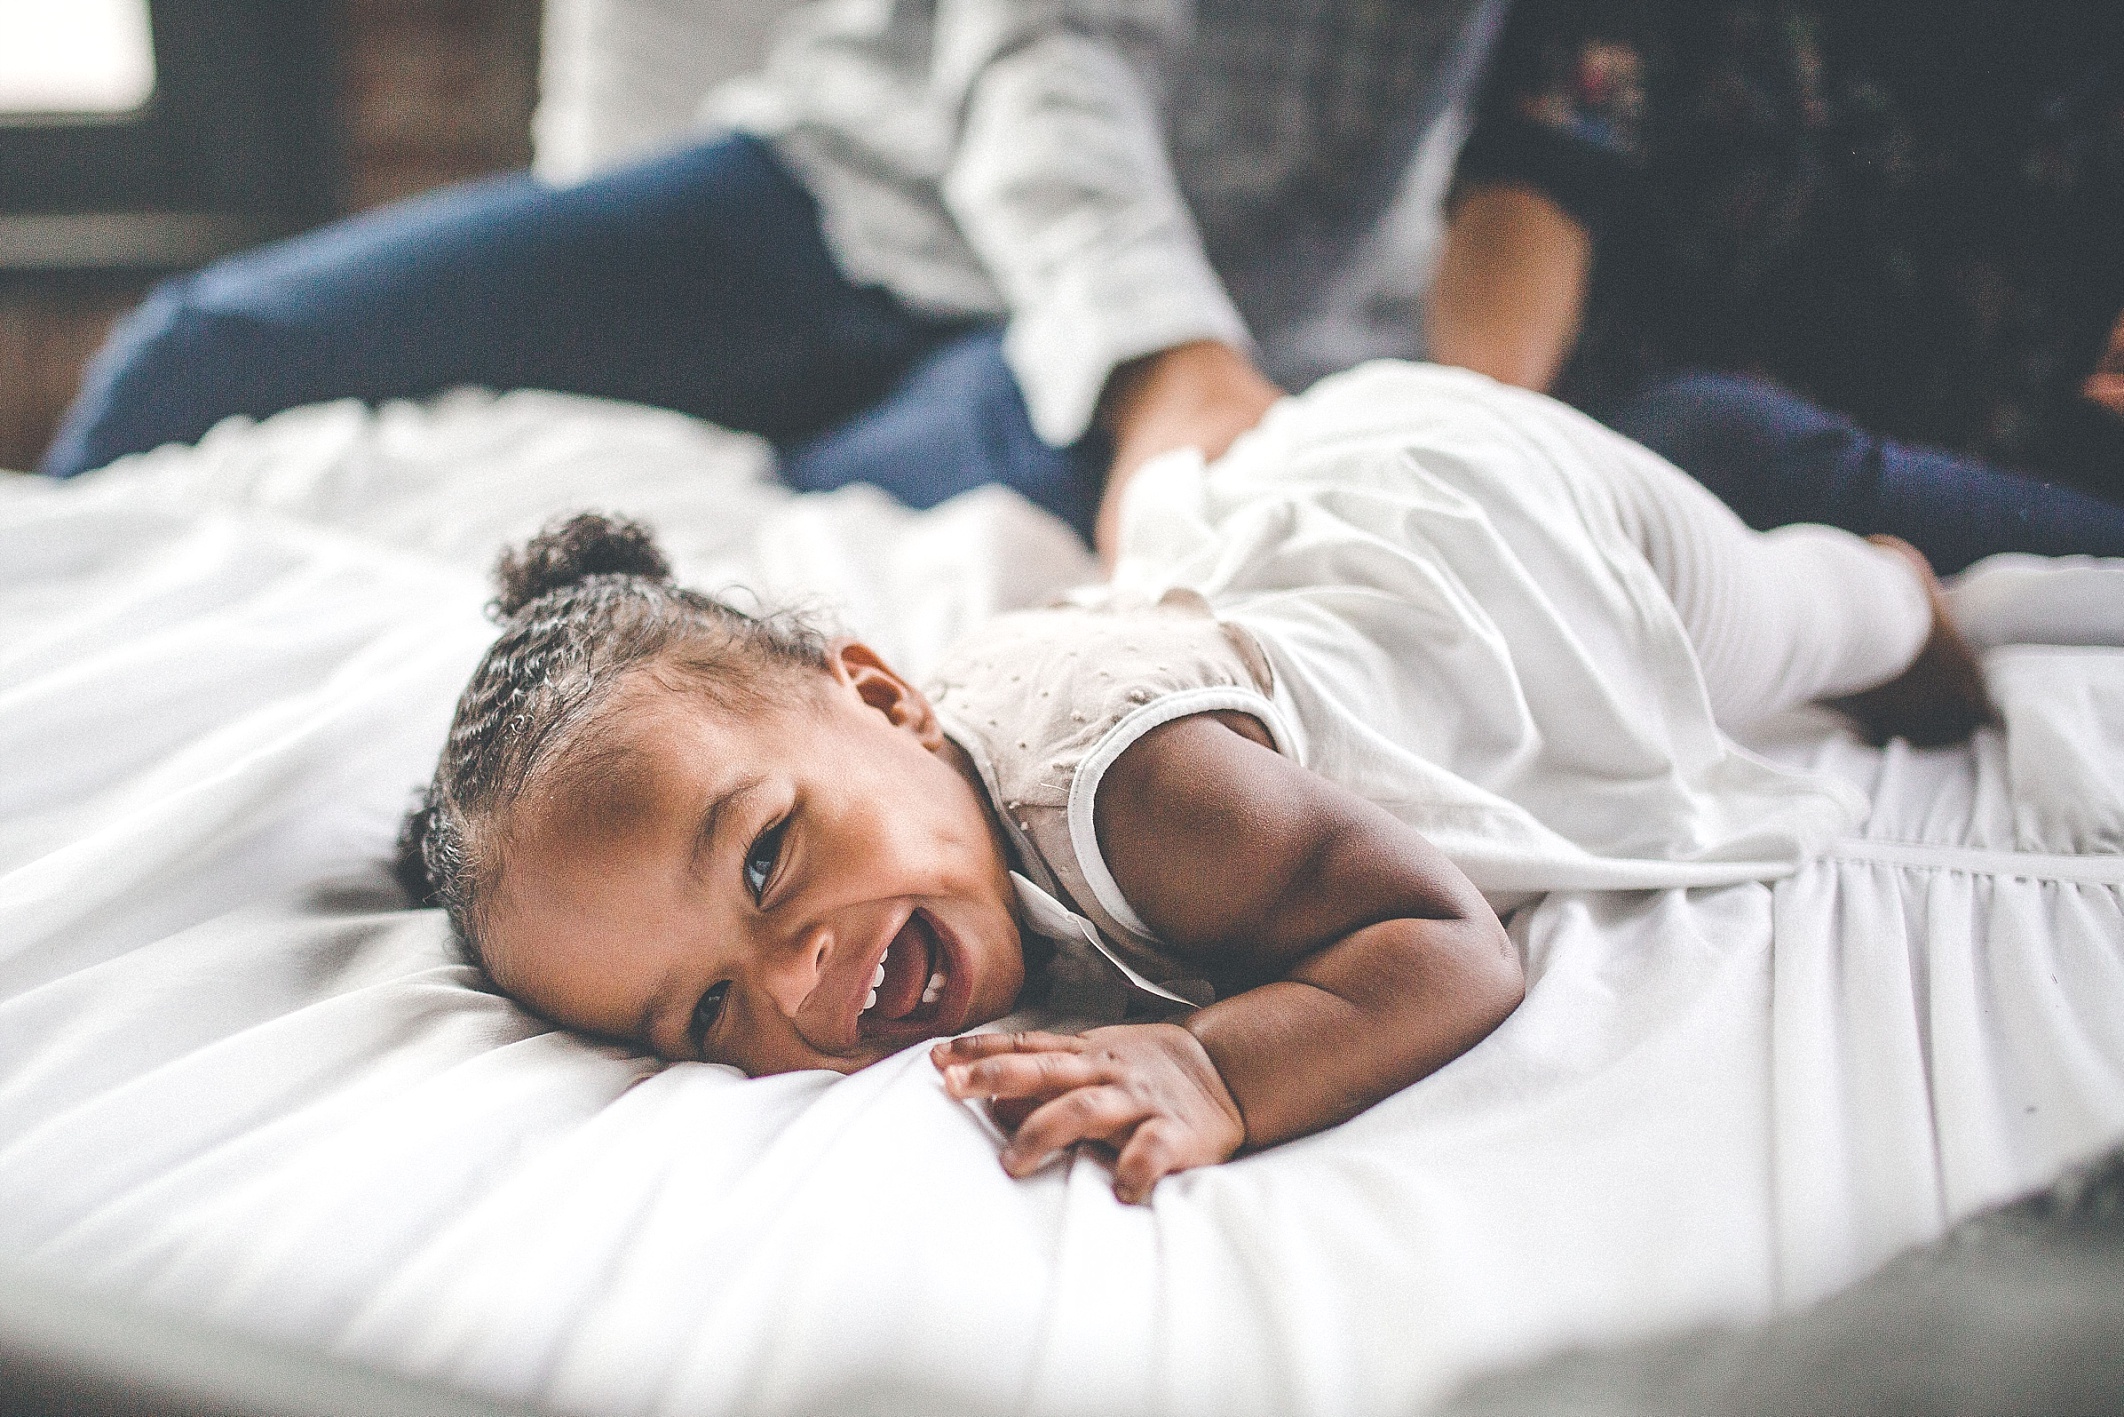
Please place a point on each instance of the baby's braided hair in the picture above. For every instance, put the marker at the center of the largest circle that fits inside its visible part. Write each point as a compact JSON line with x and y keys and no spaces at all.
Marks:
{"x":587,"y":601}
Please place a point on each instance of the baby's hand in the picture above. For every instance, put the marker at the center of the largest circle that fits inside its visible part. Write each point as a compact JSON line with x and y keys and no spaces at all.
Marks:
{"x":1147,"y":1090}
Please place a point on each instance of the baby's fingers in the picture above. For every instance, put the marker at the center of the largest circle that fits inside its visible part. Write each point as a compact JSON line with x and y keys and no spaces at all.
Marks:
{"x":969,"y":1047}
{"x":1033,"y":1075}
{"x":1087,"y":1114}
{"x":1151,"y":1154}
{"x":1008,"y":1112}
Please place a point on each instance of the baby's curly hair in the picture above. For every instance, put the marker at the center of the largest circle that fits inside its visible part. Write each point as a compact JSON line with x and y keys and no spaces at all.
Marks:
{"x":585,"y":603}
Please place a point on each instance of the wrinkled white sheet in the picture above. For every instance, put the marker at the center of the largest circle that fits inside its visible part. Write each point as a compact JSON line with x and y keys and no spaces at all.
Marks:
{"x":236,"y":1079}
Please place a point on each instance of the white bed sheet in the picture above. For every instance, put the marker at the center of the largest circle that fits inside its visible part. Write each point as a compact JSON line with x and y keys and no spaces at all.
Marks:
{"x":237,"y":1080}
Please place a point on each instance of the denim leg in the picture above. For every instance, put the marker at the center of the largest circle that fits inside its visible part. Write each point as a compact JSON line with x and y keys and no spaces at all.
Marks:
{"x":696,"y":280}
{"x":956,"y":421}
{"x":1776,"y":459}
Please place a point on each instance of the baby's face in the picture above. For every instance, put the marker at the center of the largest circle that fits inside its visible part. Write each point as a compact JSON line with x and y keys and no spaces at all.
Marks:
{"x":813,"y":885}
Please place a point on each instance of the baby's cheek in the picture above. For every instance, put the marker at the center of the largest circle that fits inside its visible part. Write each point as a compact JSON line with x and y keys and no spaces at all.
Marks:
{"x":1001,"y":981}
{"x":804,"y":1061}
{"x":766,"y":1046}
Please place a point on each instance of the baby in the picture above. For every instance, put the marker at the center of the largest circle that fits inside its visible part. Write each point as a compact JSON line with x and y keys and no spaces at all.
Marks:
{"x":1417,"y":650}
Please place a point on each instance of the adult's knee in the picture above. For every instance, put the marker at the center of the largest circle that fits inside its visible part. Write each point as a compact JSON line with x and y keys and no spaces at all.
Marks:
{"x":168,"y":371}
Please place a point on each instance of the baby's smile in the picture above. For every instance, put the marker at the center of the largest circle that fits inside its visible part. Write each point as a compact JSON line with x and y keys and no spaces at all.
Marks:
{"x":920,"y":987}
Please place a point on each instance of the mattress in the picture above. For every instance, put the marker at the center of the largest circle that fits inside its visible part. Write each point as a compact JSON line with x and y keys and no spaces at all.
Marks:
{"x":241,"y":1082}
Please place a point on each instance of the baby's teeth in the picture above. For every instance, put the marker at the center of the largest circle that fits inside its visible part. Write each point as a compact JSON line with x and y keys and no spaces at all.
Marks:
{"x":934,"y":987}
{"x":879,"y":977}
{"x":871,"y":1002}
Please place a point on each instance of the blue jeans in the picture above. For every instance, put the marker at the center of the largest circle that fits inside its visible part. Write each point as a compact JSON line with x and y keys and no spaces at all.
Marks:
{"x":1775,"y":458}
{"x":696,"y":281}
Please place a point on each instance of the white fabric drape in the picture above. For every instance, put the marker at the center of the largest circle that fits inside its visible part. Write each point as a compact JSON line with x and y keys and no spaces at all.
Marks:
{"x":1469,"y":596}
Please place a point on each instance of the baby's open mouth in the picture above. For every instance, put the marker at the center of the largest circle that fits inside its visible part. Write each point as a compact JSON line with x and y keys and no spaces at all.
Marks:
{"x":909,"y":983}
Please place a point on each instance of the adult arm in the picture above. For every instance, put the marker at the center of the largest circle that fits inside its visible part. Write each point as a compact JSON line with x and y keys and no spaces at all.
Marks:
{"x":1510,"y":290}
{"x":1062,"y":184}
{"x":1554,"y":168}
{"x":1373,"y":961}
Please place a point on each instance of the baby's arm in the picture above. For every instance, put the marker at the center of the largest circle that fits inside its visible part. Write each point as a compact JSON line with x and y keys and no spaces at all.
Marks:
{"x":1379,"y":962}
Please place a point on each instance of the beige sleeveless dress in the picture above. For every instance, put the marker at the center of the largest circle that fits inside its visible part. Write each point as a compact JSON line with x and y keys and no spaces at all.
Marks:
{"x":1044,"y":702}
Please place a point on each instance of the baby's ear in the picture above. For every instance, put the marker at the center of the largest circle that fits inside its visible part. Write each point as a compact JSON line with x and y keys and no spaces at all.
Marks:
{"x":880,"y":686}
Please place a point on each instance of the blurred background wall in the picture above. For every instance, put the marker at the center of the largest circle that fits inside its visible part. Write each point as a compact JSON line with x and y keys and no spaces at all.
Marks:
{"x":423,"y":92}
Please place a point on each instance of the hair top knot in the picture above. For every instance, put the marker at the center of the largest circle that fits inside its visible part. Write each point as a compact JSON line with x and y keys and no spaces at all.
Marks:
{"x":570,"y":552}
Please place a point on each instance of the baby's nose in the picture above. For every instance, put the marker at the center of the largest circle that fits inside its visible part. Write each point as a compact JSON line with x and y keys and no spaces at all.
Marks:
{"x":792,"y":968}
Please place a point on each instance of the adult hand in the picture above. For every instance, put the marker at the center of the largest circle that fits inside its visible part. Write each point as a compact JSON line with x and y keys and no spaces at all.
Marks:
{"x":1198,"y":395}
{"x":2105,"y":386}
{"x":1149,"y":1091}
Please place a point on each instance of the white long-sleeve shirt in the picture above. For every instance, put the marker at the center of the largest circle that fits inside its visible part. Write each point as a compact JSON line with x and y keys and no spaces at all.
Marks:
{"x":1114,"y":177}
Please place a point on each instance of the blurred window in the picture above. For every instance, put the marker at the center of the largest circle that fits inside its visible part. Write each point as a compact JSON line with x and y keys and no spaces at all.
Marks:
{"x":75,"y":56}
{"x":141,"y":135}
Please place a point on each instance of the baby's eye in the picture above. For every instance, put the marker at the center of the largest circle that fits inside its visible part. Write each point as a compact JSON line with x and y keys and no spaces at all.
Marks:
{"x":759,"y":860}
{"x":706,"y":1012}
